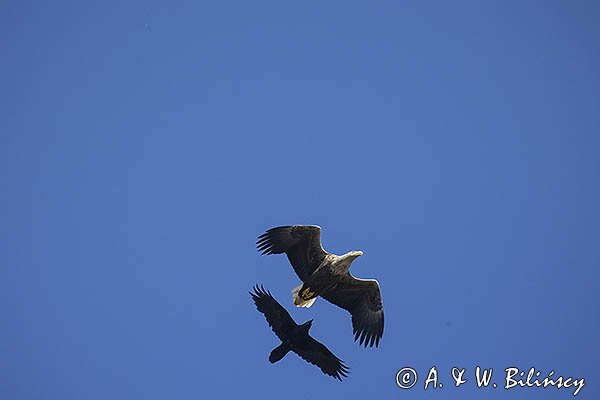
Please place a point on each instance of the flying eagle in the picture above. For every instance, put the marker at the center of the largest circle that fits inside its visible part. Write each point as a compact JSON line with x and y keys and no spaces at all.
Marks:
{"x":295,"y":337}
{"x":325,"y":274}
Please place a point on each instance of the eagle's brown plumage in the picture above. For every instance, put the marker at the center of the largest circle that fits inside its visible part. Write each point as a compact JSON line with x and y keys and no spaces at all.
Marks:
{"x":325,"y":274}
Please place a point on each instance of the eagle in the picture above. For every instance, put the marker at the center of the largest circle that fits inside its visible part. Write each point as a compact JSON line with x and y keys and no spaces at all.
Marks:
{"x":295,"y":337}
{"x":327,"y":275}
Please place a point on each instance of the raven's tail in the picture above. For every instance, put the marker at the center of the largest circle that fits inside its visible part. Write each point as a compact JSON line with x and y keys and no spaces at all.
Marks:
{"x":278,"y":352}
{"x":304,"y":299}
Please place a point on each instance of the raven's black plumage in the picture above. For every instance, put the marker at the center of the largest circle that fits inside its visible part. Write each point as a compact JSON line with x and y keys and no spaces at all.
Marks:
{"x":295,"y":337}
{"x":327,"y":275}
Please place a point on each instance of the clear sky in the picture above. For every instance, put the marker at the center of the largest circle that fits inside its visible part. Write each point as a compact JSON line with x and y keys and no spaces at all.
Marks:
{"x":145,"y":145}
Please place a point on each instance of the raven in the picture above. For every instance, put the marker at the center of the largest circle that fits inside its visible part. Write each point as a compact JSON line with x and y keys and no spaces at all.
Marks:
{"x":327,"y":275}
{"x":295,"y":337}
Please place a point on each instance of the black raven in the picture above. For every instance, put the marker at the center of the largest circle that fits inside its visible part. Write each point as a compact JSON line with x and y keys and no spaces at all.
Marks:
{"x":327,"y":275}
{"x":295,"y":337}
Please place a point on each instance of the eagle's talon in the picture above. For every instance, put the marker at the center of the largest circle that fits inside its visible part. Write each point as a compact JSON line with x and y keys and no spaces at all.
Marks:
{"x":307,"y":294}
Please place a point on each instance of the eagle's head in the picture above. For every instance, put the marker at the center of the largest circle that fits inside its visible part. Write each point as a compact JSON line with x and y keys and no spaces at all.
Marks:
{"x":355,"y":254}
{"x":343,"y":262}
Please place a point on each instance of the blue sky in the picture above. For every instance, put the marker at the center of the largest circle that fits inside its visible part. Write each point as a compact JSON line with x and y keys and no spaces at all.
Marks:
{"x":145,"y":145}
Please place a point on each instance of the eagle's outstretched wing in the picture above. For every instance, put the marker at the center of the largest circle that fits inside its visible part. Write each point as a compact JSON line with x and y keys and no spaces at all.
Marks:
{"x":362,"y":299}
{"x":278,"y":318}
{"x":301,"y":243}
{"x":316,"y":353}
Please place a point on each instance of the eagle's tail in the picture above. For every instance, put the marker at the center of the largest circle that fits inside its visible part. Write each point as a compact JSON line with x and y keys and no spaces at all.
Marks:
{"x":279,"y":352}
{"x":303,"y":299}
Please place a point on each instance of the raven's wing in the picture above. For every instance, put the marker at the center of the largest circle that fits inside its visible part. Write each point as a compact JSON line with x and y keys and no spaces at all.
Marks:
{"x":316,"y":353}
{"x":301,"y":243}
{"x":362,"y":299}
{"x":278,"y":318}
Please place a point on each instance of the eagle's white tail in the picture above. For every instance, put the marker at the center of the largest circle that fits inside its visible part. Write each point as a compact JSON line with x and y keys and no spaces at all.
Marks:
{"x":298,"y":300}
